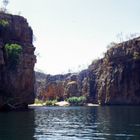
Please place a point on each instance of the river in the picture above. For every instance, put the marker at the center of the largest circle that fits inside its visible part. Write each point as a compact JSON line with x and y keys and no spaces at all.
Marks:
{"x":72,"y":123}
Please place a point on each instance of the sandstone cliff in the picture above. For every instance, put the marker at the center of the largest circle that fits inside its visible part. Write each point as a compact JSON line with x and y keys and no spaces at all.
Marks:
{"x":114,"y":79}
{"x":62,"y":86}
{"x":118,"y":75}
{"x":16,"y":73}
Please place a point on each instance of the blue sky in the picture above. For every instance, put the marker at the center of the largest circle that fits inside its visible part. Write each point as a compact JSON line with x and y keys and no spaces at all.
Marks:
{"x":72,"y":33}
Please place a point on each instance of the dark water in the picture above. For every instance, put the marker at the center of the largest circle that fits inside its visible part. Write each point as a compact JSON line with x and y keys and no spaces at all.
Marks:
{"x":72,"y":123}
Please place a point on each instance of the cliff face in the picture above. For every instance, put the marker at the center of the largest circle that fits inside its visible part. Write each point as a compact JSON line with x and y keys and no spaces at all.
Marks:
{"x":62,"y":86}
{"x":118,"y":76}
{"x":114,"y":79}
{"x":16,"y":73}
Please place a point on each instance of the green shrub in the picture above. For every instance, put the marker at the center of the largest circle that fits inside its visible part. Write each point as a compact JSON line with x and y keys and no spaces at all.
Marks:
{"x":37,"y":101}
{"x":13,"y":52}
{"x":4,"y":23}
{"x":50,"y":102}
{"x":77,"y":100}
{"x":47,"y":102}
{"x":136,"y":56}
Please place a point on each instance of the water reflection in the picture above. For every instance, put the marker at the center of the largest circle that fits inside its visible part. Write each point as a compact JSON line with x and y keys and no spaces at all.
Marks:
{"x":17,"y":125}
{"x":119,"y":122}
{"x":80,"y":123}
{"x":72,"y":123}
{"x":65,"y":123}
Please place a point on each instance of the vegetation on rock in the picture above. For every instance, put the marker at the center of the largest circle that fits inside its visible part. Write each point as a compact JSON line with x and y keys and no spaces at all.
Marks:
{"x":13,"y":52}
{"x":4,"y":23}
{"x":136,"y":56}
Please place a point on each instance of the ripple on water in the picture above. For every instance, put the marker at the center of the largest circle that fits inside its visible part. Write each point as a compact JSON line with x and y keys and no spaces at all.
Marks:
{"x":86,"y":123}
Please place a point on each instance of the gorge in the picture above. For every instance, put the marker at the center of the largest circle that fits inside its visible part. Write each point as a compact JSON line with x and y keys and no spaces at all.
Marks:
{"x":114,"y":79}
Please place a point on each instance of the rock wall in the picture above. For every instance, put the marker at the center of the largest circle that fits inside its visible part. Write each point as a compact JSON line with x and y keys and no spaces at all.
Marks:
{"x":63,"y":86}
{"x":16,"y":85}
{"x":118,"y":78}
{"x":115,"y":78}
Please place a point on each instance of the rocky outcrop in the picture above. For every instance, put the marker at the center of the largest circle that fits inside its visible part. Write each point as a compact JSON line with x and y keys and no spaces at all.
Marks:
{"x":63,"y":86}
{"x":55,"y":87}
{"x":115,"y":78}
{"x":16,"y":79}
{"x":40,"y":83}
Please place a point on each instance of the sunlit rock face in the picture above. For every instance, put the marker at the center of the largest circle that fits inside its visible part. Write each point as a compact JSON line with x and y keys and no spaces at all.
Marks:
{"x":16,"y":85}
{"x":62,"y":86}
{"x":116,"y":78}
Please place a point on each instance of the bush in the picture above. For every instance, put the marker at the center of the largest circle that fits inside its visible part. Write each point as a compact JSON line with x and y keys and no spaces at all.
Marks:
{"x":13,"y":52}
{"x":136,"y":56}
{"x":47,"y":102}
{"x":111,"y":45}
{"x":37,"y":101}
{"x":50,"y":102}
{"x":4,"y":23}
{"x":77,"y":100}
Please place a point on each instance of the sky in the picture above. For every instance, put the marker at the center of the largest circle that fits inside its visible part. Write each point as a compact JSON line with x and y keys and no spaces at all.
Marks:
{"x":70,"y":34}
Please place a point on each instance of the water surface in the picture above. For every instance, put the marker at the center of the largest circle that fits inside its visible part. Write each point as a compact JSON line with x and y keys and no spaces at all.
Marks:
{"x":72,"y":123}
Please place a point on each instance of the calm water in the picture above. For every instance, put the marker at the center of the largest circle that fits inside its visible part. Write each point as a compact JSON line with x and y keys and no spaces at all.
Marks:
{"x":72,"y":123}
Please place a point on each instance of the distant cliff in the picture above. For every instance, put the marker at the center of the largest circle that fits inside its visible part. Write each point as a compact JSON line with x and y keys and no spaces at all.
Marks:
{"x":61,"y":87}
{"x":114,"y":79}
{"x":17,"y":61}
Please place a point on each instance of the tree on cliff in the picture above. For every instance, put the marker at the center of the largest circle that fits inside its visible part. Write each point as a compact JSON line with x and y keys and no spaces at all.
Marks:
{"x":5,"y":3}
